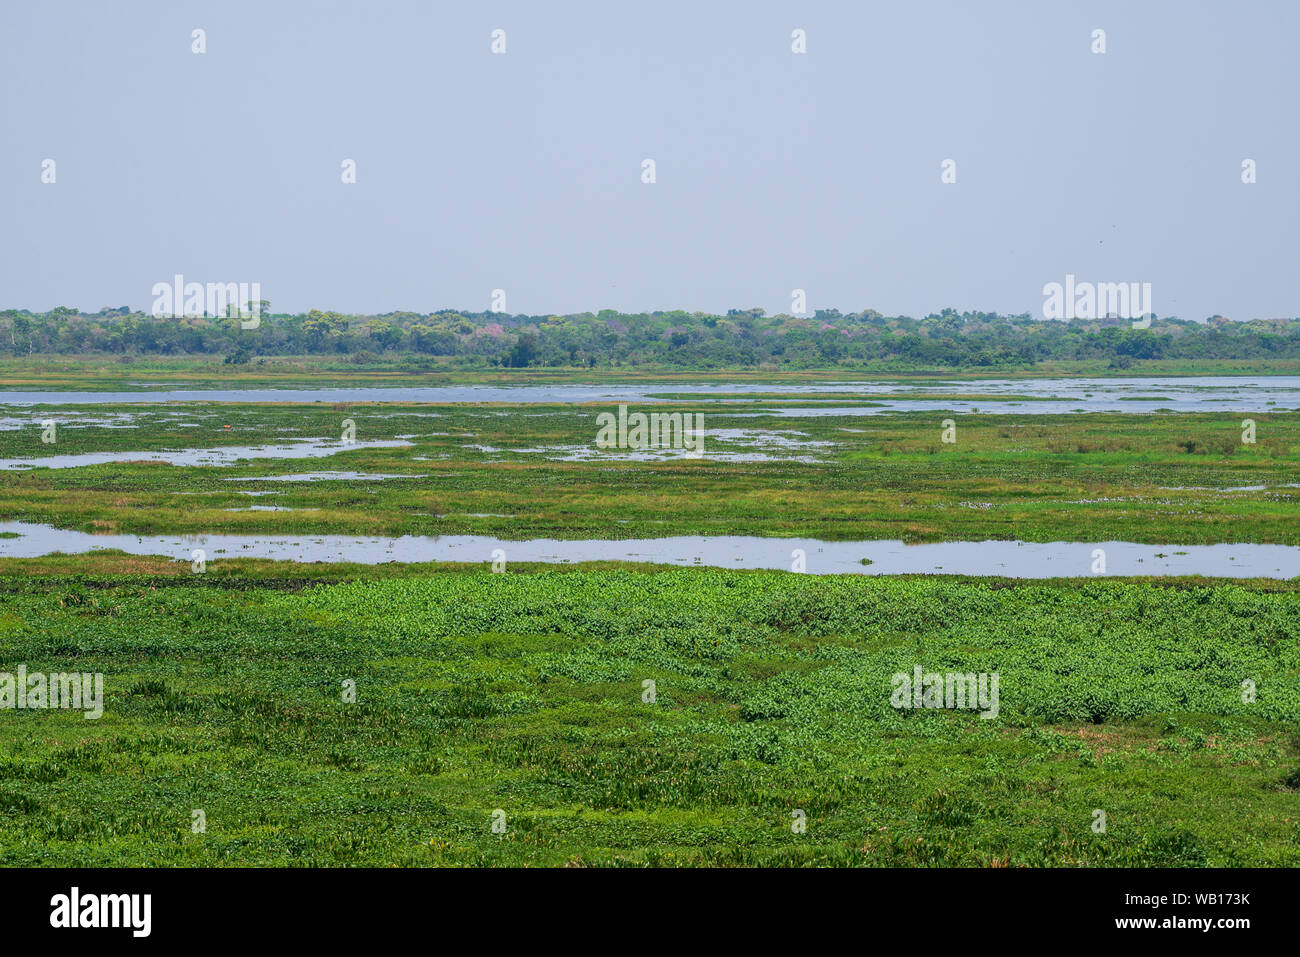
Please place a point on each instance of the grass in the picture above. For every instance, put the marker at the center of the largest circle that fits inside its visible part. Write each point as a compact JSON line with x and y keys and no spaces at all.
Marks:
{"x":1159,"y":479}
{"x":524,"y":693}
{"x":105,"y":372}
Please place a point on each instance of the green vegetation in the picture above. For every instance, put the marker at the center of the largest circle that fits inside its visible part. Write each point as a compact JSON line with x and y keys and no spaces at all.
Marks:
{"x":742,"y":339}
{"x":134,"y":373}
{"x":524,"y":692}
{"x":475,"y":469}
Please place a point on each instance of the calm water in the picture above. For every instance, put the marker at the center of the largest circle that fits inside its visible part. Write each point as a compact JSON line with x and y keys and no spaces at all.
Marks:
{"x":225,"y":455}
{"x":1050,"y":396}
{"x":1010,"y":559}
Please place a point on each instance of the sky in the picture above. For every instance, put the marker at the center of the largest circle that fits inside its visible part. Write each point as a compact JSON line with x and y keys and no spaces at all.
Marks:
{"x":774,"y":170}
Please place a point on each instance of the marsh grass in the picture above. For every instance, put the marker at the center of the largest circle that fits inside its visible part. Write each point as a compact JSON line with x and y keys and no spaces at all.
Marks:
{"x":1159,"y":479}
{"x":523,"y":692}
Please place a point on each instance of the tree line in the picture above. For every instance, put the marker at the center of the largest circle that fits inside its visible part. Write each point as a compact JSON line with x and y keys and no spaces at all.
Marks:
{"x":687,"y":340}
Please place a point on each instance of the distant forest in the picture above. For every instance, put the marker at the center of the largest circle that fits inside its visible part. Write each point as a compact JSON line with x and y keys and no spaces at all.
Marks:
{"x":686,"y":340}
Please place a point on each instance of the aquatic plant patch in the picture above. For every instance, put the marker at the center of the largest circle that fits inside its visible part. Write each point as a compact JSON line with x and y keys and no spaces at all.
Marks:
{"x":677,"y":718}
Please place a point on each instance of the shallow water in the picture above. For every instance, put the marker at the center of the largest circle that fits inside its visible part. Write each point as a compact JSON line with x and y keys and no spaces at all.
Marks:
{"x":750,"y":437}
{"x":224,"y":455}
{"x":269,"y":508}
{"x":1048,"y":396}
{"x":322,"y":477}
{"x":1009,"y":559}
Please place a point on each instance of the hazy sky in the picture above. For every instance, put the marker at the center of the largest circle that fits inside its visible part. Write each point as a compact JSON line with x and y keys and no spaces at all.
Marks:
{"x":775,"y":170}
